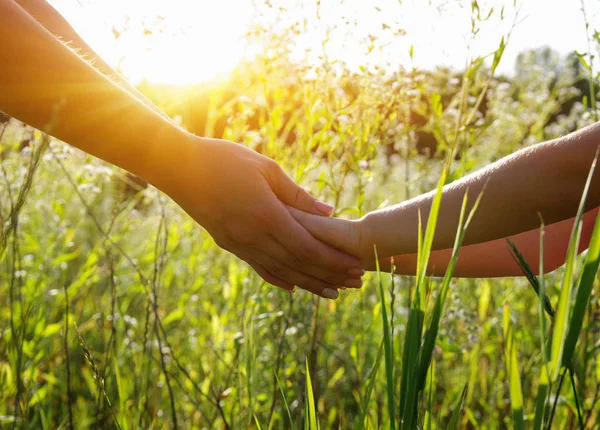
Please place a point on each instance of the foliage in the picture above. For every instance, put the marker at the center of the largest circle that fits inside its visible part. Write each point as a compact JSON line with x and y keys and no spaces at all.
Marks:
{"x":116,"y":309}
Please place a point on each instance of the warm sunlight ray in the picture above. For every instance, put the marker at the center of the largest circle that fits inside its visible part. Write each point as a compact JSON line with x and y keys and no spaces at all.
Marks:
{"x":176,"y":42}
{"x":207,"y":44}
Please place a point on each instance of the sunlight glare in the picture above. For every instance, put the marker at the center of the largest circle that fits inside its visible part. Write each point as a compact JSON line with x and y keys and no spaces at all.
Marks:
{"x":192,"y":41}
{"x":209,"y":43}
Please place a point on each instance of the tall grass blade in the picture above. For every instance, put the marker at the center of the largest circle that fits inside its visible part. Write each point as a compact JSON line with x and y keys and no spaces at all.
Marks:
{"x":543,"y":389}
{"x":432,"y":331}
{"x":285,"y":402}
{"x":586,"y":283}
{"x":411,"y":379}
{"x":429,"y":413}
{"x":419,"y":245}
{"x":562,"y":311}
{"x":388,"y":350}
{"x":533,"y":280}
{"x":370,"y":385}
{"x":542,"y":395}
{"x":406,"y":353}
{"x":576,"y":397}
{"x":453,"y":423}
{"x":512,"y":369}
{"x":556,"y":397}
{"x":68,"y":362}
{"x":543,"y":300}
{"x":540,"y":405}
{"x":310,"y":412}
{"x":256,"y":422}
{"x":89,"y":358}
{"x":412,"y":353}
{"x":425,"y":250}
{"x":249,"y":366}
{"x":406,"y":369}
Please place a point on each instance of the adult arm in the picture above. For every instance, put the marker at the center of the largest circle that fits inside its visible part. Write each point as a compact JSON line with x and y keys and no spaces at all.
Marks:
{"x":49,"y":18}
{"x":233,"y":192}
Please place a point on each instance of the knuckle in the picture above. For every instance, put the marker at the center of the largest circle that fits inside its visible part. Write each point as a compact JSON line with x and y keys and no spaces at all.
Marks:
{"x":302,"y":196}
{"x":272,"y":170}
{"x":295,"y":261}
{"x":276,"y":269}
{"x":275,"y":168}
{"x":267,"y":215}
{"x":307,"y":252}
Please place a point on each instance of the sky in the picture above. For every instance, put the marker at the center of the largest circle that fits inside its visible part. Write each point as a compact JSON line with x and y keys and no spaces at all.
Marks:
{"x":201,"y":39}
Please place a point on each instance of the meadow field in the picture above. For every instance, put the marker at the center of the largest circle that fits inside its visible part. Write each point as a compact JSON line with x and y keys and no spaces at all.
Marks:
{"x":118,"y":311}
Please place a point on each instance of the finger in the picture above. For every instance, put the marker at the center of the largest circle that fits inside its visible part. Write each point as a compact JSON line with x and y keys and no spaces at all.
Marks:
{"x":277,"y":251}
{"x":292,"y":194}
{"x":305,"y":247}
{"x":268,"y":277}
{"x":306,"y":282}
{"x":263,"y":272}
{"x":339,"y":233}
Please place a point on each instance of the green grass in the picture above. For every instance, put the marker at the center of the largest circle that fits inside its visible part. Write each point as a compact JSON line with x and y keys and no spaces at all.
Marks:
{"x":116,"y":309}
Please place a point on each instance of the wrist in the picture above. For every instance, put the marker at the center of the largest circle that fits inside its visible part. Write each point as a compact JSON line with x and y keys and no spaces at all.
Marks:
{"x":164,"y":161}
{"x":366,"y":240}
{"x":380,"y":232}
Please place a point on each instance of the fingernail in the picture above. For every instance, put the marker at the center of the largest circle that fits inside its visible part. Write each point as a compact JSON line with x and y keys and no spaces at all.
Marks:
{"x":353,"y":283}
{"x":330,"y":293}
{"x":356,"y":272}
{"x":324,"y":208}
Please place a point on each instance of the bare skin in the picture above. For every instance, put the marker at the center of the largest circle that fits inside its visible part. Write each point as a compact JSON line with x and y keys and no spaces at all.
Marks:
{"x":55,"y":23}
{"x":237,"y":194}
{"x":545,"y":180}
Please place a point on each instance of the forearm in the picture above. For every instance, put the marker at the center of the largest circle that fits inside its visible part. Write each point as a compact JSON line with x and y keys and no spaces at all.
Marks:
{"x":546,"y":179}
{"x":493,"y":259}
{"x":46,"y":85}
{"x":56,"y":24}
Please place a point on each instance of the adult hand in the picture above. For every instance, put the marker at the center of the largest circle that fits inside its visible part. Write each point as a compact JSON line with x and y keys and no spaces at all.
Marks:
{"x":239,"y":196}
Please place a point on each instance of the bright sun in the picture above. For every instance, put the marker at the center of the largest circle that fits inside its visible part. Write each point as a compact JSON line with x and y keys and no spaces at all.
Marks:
{"x":174,"y":42}
{"x":200,"y":40}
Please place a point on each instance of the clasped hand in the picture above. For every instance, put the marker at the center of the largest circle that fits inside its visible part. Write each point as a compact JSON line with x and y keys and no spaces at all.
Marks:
{"x":240,"y":198}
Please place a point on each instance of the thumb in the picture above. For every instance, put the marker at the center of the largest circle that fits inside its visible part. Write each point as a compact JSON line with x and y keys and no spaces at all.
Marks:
{"x":295,"y":196}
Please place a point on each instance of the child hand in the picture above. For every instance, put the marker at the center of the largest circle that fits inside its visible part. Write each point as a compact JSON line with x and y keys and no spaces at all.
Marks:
{"x":346,"y":235}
